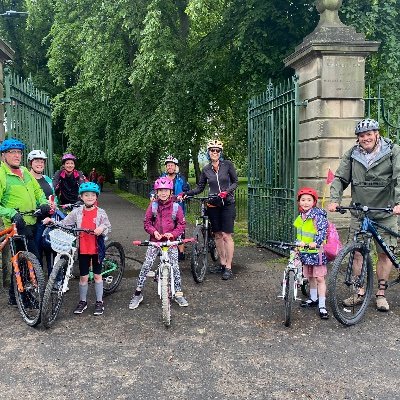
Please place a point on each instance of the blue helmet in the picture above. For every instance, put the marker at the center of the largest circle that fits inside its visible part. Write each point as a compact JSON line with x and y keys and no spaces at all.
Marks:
{"x":9,"y":144}
{"x":89,"y":187}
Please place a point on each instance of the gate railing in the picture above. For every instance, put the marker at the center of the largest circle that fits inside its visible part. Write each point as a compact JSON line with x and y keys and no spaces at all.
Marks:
{"x":28,"y":115}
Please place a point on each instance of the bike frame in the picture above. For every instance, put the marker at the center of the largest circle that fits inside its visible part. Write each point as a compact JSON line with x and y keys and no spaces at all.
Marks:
{"x":71,"y":258}
{"x":164,"y":266}
{"x":294,"y":264}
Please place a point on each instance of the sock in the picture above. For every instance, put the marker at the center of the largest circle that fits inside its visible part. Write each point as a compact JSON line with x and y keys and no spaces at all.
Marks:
{"x":98,"y":288}
{"x":313,"y":294}
{"x":321,"y":302}
{"x":83,"y":289}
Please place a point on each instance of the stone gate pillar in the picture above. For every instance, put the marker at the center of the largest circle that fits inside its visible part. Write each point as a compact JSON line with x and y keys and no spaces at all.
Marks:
{"x":330,"y":64}
{"x":6,"y":54}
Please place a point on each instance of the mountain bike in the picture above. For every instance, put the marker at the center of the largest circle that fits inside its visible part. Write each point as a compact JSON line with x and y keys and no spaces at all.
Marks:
{"x":27,"y":275}
{"x":62,"y":242}
{"x":352,"y":272}
{"x":204,"y":242}
{"x":292,"y":277}
{"x":164,"y":275}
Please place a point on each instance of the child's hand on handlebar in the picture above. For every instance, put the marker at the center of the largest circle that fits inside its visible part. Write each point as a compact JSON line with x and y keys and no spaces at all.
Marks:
{"x":300,"y":244}
{"x":47,"y":221}
{"x":181,"y":196}
{"x":99,"y":230}
{"x":312,"y":245}
{"x":168,"y":235}
{"x":157,"y":235}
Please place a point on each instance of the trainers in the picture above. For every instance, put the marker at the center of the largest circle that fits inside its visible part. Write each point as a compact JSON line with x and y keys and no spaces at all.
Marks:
{"x":217,"y":269}
{"x":323,"y":313}
{"x":228,"y":274}
{"x":135,"y":301}
{"x":98,"y":308}
{"x":181,"y":301}
{"x":381,"y":303}
{"x":81,"y":307}
{"x":309,"y":303}
{"x":353,"y":300}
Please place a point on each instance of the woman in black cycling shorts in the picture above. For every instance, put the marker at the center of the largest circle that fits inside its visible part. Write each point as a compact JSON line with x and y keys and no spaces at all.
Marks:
{"x":222,"y":179}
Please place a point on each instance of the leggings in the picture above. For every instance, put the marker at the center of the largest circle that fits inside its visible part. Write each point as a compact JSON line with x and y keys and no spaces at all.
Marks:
{"x":152,"y":253}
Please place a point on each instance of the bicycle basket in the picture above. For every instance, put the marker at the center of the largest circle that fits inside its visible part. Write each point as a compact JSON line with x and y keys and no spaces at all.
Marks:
{"x":61,"y":241}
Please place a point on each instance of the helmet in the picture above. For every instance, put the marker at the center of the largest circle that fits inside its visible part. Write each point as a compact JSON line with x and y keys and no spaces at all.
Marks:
{"x":171,"y":159}
{"x":37,"y":154}
{"x":307,"y":190}
{"x":163,"y":183}
{"x":9,"y":144}
{"x":89,"y":187}
{"x":366,"y":125}
{"x":215,"y":143}
{"x":68,"y":156}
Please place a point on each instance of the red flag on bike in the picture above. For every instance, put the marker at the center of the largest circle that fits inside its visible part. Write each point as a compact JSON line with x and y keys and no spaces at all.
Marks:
{"x":330,"y":177}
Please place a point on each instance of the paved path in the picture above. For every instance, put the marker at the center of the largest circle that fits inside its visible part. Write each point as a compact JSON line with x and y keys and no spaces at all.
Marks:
{"x":228,"y":344}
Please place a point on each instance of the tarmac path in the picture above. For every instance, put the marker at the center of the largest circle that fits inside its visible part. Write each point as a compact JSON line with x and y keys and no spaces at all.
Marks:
{"x":229,"y":343}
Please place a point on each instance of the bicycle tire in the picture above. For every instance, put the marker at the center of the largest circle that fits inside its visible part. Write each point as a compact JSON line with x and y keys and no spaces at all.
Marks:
{"x":343,"y":284}
{"x":114,"y":258}
{"x":212,"y":247}
{"x":199,"y":260}
{"x":289,"y":297}
{"x":53,"y":296}
{"x":304,"y":287}
{"x":29,"y":301}
{"x":166,"y":296}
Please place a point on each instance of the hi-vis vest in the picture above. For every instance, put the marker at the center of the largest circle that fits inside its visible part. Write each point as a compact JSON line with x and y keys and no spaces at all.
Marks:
{"x":305,"y":232}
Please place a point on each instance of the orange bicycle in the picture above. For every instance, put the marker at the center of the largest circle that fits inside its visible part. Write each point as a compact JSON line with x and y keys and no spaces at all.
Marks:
{"x":27,"y":275}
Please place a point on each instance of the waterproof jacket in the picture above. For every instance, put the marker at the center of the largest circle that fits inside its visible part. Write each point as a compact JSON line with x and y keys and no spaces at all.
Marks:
{"x":376,"y":184}
{"x":66,"y":186}
{"x":18,"y":194}
{"x":163,"y":221}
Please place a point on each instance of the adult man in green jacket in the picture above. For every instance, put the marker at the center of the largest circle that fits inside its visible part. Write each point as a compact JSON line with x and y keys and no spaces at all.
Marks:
{"x":372,"y":168}
{"x":19,"y":193}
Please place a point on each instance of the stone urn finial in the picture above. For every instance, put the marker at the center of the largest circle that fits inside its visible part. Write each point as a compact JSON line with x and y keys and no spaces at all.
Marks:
{"x":328,"y":10}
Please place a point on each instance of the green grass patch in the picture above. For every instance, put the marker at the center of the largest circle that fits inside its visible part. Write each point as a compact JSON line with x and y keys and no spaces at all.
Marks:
{"x":138,"y":201}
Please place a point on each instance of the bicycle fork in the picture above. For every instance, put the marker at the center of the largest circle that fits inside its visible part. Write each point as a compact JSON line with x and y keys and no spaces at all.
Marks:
{"x":17,"y":273}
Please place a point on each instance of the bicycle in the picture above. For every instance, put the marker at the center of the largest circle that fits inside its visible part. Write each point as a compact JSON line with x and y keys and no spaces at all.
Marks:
{"x":27,"y":275}
{"x":292,"y":277}
{"x":204,"y":242}
{"x":164,"y":275}
{"x":62,"y":242}
{"x":344,"y":280}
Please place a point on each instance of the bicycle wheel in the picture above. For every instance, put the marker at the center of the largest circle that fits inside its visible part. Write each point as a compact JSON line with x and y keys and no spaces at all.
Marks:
{"x":212,"y":248}
{"x":344,"y":284}
{"x":166,"y":296}
{"x":53,"y":295}
{"x":289,"y":296}
{"x":113,"y":266}
{"x":31,"y":282}
{"x":304,"y":288}
{"x":199,"y":260}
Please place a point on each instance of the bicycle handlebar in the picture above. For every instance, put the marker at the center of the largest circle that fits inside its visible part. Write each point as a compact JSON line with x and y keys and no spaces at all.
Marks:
{"x":365,"y":209}
{"x":70,"y":229}
{"x":161,"y":244}
{"x":288,"y":245}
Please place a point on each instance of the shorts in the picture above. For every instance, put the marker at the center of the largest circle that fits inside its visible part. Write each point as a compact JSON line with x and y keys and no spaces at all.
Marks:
{"x":390,"y":222}
{"x":84,"y":264}
{"x":314,"y":271}
{"x":222,"y":218}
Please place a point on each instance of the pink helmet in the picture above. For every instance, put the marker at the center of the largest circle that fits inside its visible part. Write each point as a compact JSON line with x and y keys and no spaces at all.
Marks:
{"x":68,"y":156}
{"x":163,"y":183}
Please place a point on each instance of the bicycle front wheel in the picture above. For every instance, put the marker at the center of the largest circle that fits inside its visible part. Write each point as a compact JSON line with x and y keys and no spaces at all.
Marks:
{"x":166,"y":296}
{"x":199,"y":261}
{"x":289,"y":296}
{"x":29,"y":288}
{"x":113,"y":266}
{"x":53,"y":295}
{"x":345,"y":281}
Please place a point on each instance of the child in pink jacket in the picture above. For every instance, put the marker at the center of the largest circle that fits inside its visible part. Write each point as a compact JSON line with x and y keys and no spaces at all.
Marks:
{"x":166,"y":221}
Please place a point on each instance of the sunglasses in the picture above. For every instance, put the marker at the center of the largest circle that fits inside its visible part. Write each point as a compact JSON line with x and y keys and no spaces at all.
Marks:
{"x":14,"y":151}
{"x":215,"y":150}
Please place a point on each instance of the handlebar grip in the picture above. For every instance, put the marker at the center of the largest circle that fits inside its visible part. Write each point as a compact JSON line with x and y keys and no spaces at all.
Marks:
{"x":189,"y":240}
{"x":136,"y":242}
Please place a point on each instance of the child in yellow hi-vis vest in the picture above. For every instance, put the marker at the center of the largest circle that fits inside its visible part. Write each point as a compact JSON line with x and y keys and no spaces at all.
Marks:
{"x":311,"y":229}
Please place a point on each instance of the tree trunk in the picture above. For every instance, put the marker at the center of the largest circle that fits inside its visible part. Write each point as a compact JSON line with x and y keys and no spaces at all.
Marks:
{"x":152,"y":166}
{"x":196,"y":165}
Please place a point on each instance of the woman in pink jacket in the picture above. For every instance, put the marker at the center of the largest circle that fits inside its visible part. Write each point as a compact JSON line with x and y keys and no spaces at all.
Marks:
{"x":163,"y":220}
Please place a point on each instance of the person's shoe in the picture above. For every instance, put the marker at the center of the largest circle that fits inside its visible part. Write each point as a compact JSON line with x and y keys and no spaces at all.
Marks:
{"x":135,"y":301}
{"x":181,"y":256}
{"x":381,"y":303}
{"x":309,"y":303}
{"x":98,"y":308}
{"x":216,"y":269}
{"x":353,"y":300}
{"x":228,"y":274}
{"x":12,"y":301}
{"x":181,"y":301}
{"x":81,"y":307}
{"x":323,"y":313}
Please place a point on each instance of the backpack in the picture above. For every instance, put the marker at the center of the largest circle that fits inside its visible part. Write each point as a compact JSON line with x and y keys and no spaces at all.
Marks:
{"x":332,"y":245}
{"x":154,"y":208}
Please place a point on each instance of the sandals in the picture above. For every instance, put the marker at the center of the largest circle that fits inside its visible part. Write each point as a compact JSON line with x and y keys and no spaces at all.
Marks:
{"x":381,"y":302}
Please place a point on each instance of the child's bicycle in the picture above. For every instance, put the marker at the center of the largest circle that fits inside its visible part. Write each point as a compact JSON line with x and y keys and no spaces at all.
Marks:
{"x":292,"y":277}
{"x":204,"y":242}
{"x":27,"y":275}
{"x":164,"y":275}
{"x":62,"y":242}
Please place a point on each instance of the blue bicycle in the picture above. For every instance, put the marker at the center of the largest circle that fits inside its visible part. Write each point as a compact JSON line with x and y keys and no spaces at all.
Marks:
{"x":352,"y":269}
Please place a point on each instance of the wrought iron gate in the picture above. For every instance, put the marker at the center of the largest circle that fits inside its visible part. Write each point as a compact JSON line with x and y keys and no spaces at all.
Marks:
{"x":28,"y":115}
{"x":273,"y":163}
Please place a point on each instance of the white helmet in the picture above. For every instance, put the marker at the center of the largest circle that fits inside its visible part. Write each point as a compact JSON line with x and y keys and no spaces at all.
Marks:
{"x":36,"y":154}
{"x":171,"y":159}
{"x":214,"y":143}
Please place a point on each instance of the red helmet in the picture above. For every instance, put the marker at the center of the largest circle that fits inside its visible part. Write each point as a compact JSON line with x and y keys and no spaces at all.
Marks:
{"x":307,"y":190}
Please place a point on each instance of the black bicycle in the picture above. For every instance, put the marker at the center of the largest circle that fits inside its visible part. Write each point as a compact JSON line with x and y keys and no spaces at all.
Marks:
{"x":205,"y":242}
{"x":352,"y":270}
